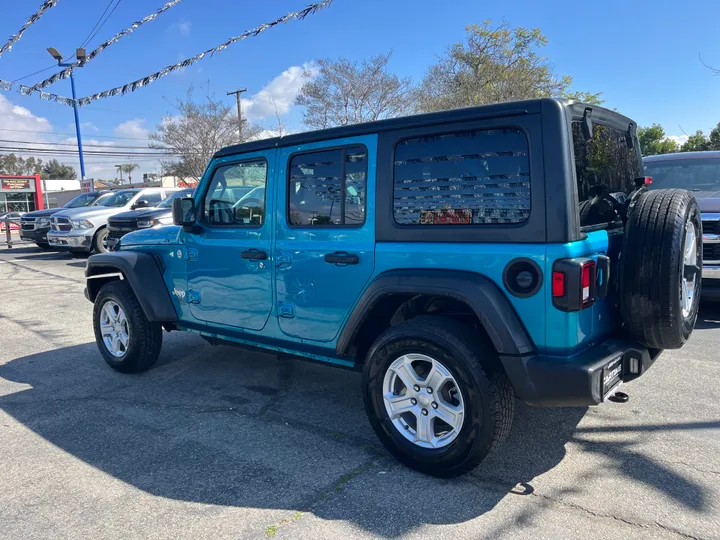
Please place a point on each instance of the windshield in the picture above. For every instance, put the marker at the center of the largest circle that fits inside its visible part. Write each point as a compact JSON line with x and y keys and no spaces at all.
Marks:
{"x":167,"y":203}
{"x":102,"y":198}
{"x":85,"y":199}
{"x":118,"y":199}
{"x":690,"y":174}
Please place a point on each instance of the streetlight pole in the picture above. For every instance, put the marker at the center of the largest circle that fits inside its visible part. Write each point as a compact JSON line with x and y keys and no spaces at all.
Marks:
{"x":239,"y":110}
{"x":80,"y":53}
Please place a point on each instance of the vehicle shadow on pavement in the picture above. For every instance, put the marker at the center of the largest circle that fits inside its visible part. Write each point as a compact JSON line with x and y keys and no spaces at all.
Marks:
{"x":223,"y":426}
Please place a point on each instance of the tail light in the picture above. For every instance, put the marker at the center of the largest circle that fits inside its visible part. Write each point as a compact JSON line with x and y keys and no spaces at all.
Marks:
{"x":574,"y":284}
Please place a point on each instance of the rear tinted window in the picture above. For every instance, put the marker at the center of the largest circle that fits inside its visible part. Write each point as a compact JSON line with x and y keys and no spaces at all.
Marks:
{"x":604,"y":162}
{"x":470,"y":177}
{"x":693,"y":174}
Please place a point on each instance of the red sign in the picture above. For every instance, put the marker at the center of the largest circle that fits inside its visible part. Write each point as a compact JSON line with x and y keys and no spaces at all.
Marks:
{"x":446,"y":216}
{"x":15,"y":183}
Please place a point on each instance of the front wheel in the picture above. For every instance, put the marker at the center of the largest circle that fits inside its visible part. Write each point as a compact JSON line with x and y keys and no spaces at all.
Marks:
{"x":128,"y":342}
{"x":436,"y":396}
{"x":100,"y":241}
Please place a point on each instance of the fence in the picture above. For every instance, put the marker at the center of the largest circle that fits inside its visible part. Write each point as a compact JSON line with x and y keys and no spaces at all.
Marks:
{"x":10,"y":229}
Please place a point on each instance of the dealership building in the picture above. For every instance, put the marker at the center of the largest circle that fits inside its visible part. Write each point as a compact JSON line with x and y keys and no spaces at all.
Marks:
{"x":28,"y":193}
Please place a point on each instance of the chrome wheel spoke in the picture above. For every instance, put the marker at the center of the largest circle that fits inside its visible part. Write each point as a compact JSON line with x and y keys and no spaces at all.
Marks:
{"x":424,"y":432}
{"x":399,"y":405}
{"x":690,"y":271}
{"x":105,"y":329}
{"x":437,"y":377}
{"x":450,"y":414}
{"x":406,"y":372}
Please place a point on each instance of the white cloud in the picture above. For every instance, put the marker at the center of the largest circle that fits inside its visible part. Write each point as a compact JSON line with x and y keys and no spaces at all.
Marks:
{"x":184,"y":28}
{"x":280,"y":93}
{"x":35,"y":132}
{"x":133,"y":129}
{"x":679,"y":139}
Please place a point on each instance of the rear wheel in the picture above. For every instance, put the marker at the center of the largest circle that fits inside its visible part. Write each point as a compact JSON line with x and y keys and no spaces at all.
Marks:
{"x":127,"y":340}
{"x":661,"y":268}
{"x":436,"y":397}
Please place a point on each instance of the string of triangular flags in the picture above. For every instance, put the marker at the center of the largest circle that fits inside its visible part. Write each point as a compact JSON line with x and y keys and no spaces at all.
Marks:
{"x":140,"y":83}
{"x":65,"y":73}
{"x":32,"y":20}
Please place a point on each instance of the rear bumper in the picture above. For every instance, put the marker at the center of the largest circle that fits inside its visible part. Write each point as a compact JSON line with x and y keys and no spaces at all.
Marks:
{"x":587,"y":379}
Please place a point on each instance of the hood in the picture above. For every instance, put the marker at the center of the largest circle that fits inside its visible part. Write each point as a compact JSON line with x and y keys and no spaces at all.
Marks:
{"x":43,"y":213}
{"x":143,"y":213}
{"x":708,"y":201}
{"x":90,"y":212}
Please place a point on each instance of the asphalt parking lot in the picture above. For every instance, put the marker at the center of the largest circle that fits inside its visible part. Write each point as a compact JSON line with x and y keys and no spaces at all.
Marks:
{"x":217,"y":442}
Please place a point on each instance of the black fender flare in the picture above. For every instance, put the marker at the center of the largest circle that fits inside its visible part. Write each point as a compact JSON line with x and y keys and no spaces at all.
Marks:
{"x":487,"y":300}
{"x":144,"y":274}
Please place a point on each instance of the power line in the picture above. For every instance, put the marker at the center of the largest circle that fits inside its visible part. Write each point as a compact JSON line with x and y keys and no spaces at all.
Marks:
{"x":74,"y":134}
{"x":85,"y":42}
{"x":35,"y":73}
{"x":106,"y":20}
{"x":109,"y":147}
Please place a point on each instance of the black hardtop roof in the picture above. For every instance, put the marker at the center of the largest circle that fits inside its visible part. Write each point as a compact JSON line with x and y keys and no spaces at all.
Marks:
{"x":510,"y":108}
{"x":710,"y":154}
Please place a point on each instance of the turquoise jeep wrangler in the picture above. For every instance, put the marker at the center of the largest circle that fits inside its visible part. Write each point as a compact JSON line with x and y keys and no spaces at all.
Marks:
{"x":459,"y":259}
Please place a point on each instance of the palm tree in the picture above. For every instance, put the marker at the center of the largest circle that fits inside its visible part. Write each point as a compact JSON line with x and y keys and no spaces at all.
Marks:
{"x":129,"y":168}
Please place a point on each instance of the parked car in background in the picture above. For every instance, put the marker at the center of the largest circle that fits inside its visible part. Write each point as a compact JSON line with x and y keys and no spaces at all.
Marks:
{"x":34,"y":226}
{"x":121,"y":224}
{"x":14,"y":224}
{"x":84,"y":230}
{"x":698,"y":172}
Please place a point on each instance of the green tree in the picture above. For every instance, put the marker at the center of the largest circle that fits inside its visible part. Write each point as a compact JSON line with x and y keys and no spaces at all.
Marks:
{"x":653,"y":141}
{"x":346,"y":92}
{"x":129,"y":168}
{"x":696,"y":143}
{"x":17,"y":165}
{"x":714,"y":140}
{"x":494,"y":64}
{"x":53,"y":169}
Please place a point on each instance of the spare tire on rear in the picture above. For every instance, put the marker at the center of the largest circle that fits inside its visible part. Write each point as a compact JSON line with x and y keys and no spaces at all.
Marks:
{"x":661,"y":262}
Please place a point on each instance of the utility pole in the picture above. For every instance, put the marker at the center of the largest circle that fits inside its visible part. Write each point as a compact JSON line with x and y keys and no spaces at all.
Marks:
{"x":80,"y":54}
{"x":239,"y":109}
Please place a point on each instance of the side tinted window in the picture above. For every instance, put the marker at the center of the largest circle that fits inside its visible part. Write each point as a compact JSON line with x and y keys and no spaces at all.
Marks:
{"x":604,"y":163}
{"x":328,"y":188}
{"x":153,"y":198}
{"x":471,"y":177}
{"x":236,"y":195}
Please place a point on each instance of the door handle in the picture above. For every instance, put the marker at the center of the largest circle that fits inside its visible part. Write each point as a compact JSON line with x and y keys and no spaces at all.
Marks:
{"x":340,"y":257}
{"x":254,"y":255}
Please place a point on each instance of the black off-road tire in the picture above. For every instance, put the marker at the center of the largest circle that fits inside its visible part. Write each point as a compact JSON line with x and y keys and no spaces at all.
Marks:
{"x":653,"y":265}
{"x":145,"y":337}
{"x":44,"y":246}
{"x":487,"y":393}
{"x":97,"y":244}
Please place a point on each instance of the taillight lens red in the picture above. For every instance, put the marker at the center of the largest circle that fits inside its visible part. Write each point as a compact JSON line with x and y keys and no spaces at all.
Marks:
{"x":558,"y":284}
{"x":588,"y":285}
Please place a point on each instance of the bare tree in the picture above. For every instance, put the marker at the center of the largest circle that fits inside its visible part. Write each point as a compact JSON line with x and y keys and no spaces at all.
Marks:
{"x":280,"y":127}
{"x":196,"y":132}
{"x":494,"y":64}
{"x":346,"y":92}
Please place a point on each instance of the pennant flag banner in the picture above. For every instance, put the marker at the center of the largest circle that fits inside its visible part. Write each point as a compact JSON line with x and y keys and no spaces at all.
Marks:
{"x":65,"y":73}
{"x":132,"y":86}
{"x":7,"y":86}
{"x":32,"y":20}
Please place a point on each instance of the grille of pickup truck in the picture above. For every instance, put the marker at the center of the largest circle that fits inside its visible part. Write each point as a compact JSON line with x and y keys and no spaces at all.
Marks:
{"x":711,"y":227}
{"x":711,"y":252}
{"x":61,"y":224}
{"x":27,"y":223}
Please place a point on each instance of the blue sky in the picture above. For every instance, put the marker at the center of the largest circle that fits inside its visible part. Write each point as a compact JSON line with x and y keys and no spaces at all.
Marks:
{"x":643,"y":56}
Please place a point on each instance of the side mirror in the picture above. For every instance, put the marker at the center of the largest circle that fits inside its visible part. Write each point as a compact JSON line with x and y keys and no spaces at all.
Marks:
{"x":183,"y":211}
{"x":140,"y":204}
